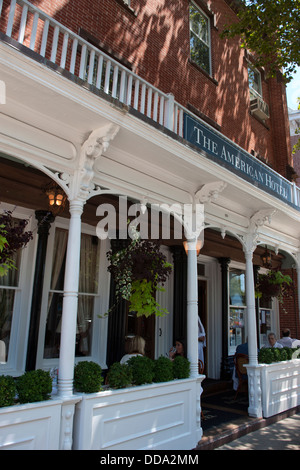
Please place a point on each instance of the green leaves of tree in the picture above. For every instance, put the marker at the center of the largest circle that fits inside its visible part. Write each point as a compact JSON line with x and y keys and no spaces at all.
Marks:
{"x":270,"y":30}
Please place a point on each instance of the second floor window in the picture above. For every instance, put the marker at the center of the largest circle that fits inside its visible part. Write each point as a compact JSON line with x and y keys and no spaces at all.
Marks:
{"x":199,"y":38}
{"x":254,"y":78}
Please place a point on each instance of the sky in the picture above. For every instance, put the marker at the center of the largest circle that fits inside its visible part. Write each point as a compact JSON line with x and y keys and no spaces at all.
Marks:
{"x":293,"y":91}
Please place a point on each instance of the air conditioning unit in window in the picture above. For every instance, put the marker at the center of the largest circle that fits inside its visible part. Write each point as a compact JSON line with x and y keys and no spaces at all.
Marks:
{"x":259,"y":108}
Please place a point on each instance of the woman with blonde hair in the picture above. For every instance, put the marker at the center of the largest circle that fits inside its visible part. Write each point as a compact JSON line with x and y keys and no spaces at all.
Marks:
{"x":136,"y":347}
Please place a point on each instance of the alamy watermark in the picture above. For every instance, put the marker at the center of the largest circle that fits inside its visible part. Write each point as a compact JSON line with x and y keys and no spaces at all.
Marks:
{"x":153,"y":221}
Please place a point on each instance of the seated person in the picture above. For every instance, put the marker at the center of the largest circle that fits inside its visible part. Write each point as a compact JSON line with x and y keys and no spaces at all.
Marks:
{"x":272,"y":342}
{"x":286,"y":340}
{"x":136,"y":347}
{"x":178,"y":350}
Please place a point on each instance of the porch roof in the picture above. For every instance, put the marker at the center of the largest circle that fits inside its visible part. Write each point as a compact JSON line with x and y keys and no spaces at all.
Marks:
{"x":50,"y":111}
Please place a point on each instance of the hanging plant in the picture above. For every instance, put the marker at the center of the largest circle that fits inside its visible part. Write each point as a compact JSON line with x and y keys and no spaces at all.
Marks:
{"x":12,"y":238}
{"x":139,"y":271}
{"x":273,"y":284}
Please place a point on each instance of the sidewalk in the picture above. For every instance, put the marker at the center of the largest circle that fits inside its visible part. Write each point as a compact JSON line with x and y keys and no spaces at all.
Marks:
{"x":282,"y":435}
{"x":225,"y":421}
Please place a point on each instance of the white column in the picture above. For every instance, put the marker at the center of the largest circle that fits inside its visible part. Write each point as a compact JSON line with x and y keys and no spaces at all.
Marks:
{"x":253,"y":369}
{"x":70,"y":302}
{"x":251,"y":311}
{"x":192,"y":307}
{"x":298,"y":280}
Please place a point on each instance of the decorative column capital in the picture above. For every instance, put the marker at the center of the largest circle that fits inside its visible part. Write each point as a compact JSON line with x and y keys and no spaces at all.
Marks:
{"x":44,"y":219}
{"x":79,"y":186}
{"x":250,"y":239}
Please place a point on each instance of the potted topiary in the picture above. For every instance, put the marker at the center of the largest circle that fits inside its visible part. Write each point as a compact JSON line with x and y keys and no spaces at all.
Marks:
{"x":139,"y":270}
{"x":119,"y":375}
{"x":181,"y":367}
{"x":163,"y":370}
{"x":142,"y":369}
{"x":34,"y":385}
{"x":88,"y":377}
{"x":7,"y":390}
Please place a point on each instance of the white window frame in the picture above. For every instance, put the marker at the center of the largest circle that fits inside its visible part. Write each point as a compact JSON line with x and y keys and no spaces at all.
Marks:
{"x":16,"y":360}
{"x":208,"y":43}
{"x":242,"y":268}
{"x":101,"y":302}
{"x":253,"y":92}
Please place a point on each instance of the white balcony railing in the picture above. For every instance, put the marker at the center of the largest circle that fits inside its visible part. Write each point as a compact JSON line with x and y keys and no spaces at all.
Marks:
{"x":31,"y":27}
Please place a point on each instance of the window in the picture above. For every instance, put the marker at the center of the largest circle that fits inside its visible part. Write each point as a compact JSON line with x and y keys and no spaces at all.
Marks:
{"x":254,"y":82}
{"x":199,"y":38}
{"x":237,"y":309}
{"x":15,"y":300}
{"x":9,"y":289}
{"x":88,"y":292}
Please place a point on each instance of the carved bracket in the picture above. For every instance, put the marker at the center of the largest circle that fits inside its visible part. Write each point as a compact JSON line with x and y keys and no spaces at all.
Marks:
{"x":250,"y":240}
{"x":79,"y":185}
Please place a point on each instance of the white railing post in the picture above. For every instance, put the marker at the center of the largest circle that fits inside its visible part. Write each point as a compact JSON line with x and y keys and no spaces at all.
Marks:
{"x":169,"y":112}
{"x":295,"y":198}
{"x":11,"y":17}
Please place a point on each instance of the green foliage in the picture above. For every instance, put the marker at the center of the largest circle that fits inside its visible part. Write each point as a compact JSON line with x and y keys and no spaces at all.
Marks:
{"x":7,"y":390}
{"x":142,"y":300}
{"x":119,"y":375}
{"x":273,"y":284}
{"x":270,"y":29}
{"x":142,"y":369}
{"x":12,"y":238}
{"x":7,"y":263}
{"x":35,"y":385}
{"x":139,"y":271}
{"x":181,"y":367}
{"x":88,"y":377}
{"x":163,"y":369}
{"x":270,"y":355}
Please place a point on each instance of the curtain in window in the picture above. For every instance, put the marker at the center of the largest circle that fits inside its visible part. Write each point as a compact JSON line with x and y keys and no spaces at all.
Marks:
{"x":88,"y":284}
{"x":53,"y":325}
{"x":9,"y":284}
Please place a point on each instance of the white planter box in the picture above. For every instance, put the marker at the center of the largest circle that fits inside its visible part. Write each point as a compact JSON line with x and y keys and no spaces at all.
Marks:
{"x":280,"y":385}
{"x":156,"y":416}
{"x":32,"y":426}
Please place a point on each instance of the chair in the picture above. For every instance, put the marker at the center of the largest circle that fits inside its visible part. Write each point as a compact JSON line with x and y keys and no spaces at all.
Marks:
{"x":200,"y":367}
{"x":239,"y":361}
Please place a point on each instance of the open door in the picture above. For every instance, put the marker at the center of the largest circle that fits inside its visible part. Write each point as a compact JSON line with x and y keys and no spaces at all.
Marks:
{"x":144,"y":327}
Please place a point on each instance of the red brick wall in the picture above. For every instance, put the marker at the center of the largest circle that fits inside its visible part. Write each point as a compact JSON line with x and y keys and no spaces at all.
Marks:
{"x":296,"y":158}
{"x":155,"y":40}
{"x":289,"y":310}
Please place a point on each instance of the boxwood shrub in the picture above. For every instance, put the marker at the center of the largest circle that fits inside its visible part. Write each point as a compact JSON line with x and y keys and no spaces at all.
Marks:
{"x":163,"y":370}
{"x":119,"y":375}
{"x":142,"y":369}
{"x":181,"y":367}
{"x":270,"y":355}
{"x":8,"y":390}
{"x":88,"y":377}
{"x":34,"y":385}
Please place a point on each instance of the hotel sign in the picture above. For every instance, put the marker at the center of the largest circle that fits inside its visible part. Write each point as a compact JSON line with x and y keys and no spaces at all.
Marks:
{"x":235,"y":159}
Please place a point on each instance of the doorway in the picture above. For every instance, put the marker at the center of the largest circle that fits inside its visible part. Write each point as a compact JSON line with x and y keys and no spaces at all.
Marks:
{"x":142,"y":326}
{"x":202,"y":312}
